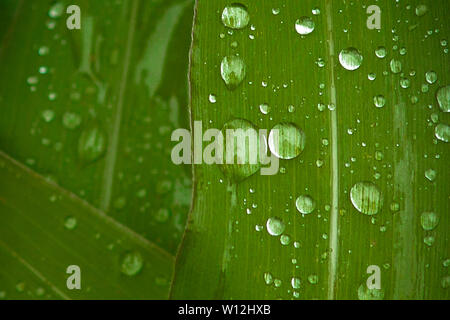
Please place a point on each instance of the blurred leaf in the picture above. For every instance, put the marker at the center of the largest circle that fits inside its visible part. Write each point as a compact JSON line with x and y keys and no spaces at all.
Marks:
{"x":45,"y":229}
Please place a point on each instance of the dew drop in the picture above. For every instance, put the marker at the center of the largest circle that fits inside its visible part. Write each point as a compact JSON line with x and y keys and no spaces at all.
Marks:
{"x":350,"y":58}
{"x":313,"y":279}
{"x":305,"y":204}
{"x":48,"y":115}
{"x":421,"y":10}
{"x":396,"y":66}
{"x":366,"y":198}
{"x":131,"y":263}
{"x":56,"y":10}
{"x":304,"y":25}
{"x":430,"y":174}
{"x":429,"y":220}
{"x":264,"y":108}
{"x":442,"y":132}
{"x":71,"y":120}
{"x":235,"y":16}
{"x":91,"y":144}
{"x":70,"y":223}
{"x":380,"y":52}
{"x":246,"y":159}
{"x":275,"y":226}
{"x":295,"y":283}
{"x":233,"y":71}
{"x":268,"y":278}
{"x":431,"y":77}
{"x":443,"y":98}
{"x":379,"y":101}
{"x":286,"y":140}
{"x":212,"y":98}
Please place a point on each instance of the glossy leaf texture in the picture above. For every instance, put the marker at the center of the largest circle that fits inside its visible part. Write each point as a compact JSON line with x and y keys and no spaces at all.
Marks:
{"x":374,"y":161}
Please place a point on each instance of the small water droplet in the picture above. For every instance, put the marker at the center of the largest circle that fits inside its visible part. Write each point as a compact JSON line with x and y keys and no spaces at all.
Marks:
{"x":264,"y":108}
{"x":396,"y":66}
{"x":431,"y":77}
{"x":268,"y":278}
{"x":212,"y":98}
{"x":56,"y":10}
{"x":364,"y":293}
{"x":379,"y":101}
{"x":313,"y":279}
{"x":295,"y":283}
{"x":421,"y":10}
{"x":70,"y":223}
{"x":71,"y":120}
{"x":380,"y":52}
{"x":131,"y":263}
{"x":430,"y":174}
{"x":48,"y":115}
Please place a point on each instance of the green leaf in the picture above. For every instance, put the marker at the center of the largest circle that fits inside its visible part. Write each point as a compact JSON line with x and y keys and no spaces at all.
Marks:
{"x":94,"y":108}
{"x":45,"y":229}
{"x":383,"y":153}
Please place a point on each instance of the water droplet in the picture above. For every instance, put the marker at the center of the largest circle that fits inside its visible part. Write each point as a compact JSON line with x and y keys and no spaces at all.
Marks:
{"x":264,"y":108}
{"x":43,"y":51}
{"x":70,"y":223}
{"x":405,"y":83}
{"x":445,"y":282}
{"x":295,"y":283}
{"x":305,"y":204}
{"x":304,"y":25}
{"x":212,"y":98}
{"x":395,"y":207}
{"x":379,"y":155}
{"x":235,"y":16}
{"x":289,"y":143}
{"x":429,"y":240}
{"x":350,"y":58}
{"x":71,"y":120}
{"x":396,"y":66}
{"x":442,"y":132}
{"x":313,"y":279}
{"x":268,"y":278}
{"x":285,"y":240}
{"x":132,"y":263}
{"x":277,"y":283}
{"x":364,"y":293}
{"x":430,"y":174}
{"x":48,"y":115}
{"x":276,"y":11}
{"x":443,"y":98}
{"x":379,"y":101}
{"x":366,"y":198}
{"x":91,"y":144}
{"x":56,"y":10}
{"x":162,"y":215}
{"x":421,"y":10}
{"x":246,"y":158}
{"x":233,"y":71}
{"x":429,"y":220}
{"x":431,"y":77}
{"x":275,"y":226}
{"x":380,"y":52}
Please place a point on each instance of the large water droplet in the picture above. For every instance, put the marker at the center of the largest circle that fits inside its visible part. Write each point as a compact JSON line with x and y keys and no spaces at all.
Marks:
{"x":232,"y":70}
{"x":246,"y":156}
{"x":275,"y":226}
{"x":443,"y":98}
{"x":91,"y":145}
{"x":421,"y":10}
{"x":286,"y":140}
{"x":350,"y":58}
{"x":235,"y":16}
{"x":304,"y":25}
{"x":132,"y":263}
{"x":305,"y":204}
{"x":366,"y":198}
{"x":429,"y":220}
{"x":442,"y":132}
